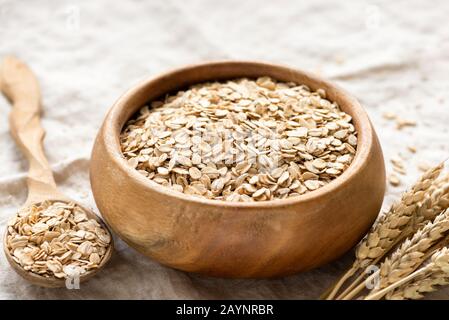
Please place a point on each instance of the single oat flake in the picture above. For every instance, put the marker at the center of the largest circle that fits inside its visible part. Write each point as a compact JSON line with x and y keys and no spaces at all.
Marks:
{"x":241,"y":140}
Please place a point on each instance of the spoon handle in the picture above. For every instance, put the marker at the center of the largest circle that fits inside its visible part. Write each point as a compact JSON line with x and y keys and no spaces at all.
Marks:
{"x":20,"y":86}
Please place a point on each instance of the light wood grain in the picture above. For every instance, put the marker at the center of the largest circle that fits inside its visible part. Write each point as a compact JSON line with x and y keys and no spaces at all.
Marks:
{"x":20,"y":86}
{"x":262,"y":239}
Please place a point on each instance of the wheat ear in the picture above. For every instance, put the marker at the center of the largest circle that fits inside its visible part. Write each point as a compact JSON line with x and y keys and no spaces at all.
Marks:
{"x":385,"y":233}
{"x":439,"y":263}
{"x":433,"y":204}
{"x":381,"y":238}
{"x":409,"y":256}
{"x":424,"y":283}
{"x":417,"y":288}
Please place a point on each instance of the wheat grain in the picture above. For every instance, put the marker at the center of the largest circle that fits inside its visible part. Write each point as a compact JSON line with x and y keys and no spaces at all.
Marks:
{"x":432,"y":205}
{"x":439,"y":261}
{"x":443,"y":201}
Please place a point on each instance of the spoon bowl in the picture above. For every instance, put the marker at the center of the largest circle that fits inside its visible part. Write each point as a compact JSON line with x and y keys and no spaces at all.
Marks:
{"x":53,"y":282}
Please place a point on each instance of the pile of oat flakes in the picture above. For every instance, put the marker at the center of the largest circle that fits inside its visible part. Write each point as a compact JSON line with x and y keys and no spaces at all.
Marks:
{"x":241,"y":140}
{"x":56,"y":239}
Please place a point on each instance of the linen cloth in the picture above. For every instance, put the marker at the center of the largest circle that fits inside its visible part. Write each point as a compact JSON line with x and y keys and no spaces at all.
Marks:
{"x":393,"y":56}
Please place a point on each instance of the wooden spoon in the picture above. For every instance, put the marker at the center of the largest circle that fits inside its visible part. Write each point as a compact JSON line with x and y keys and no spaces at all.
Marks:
{"x":20,"y":86}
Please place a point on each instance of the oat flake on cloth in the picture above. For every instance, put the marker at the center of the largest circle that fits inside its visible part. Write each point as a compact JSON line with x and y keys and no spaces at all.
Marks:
{"x":393,"y":56}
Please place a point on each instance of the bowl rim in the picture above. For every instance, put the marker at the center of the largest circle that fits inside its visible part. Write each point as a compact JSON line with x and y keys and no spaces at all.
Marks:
{"x":111,"y":129}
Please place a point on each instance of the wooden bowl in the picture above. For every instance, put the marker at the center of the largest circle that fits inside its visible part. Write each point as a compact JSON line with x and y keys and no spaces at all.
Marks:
{"x":250,"y":240}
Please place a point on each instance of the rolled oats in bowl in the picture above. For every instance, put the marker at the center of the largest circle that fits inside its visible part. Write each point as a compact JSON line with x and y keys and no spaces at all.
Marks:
{"x":241,"y":140}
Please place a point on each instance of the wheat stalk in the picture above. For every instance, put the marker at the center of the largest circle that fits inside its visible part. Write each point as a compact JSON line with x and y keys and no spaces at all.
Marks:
{"x":439,"y":264}
{"x":410,"y":255}
{"x":388,"y":229}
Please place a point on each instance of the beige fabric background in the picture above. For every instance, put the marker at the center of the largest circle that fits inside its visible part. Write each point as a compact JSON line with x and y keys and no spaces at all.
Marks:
{"x":394,"y":56}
